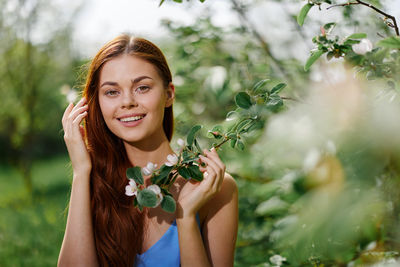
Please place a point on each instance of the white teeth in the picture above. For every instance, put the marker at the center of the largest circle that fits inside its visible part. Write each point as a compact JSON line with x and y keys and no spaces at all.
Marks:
{"x":135,"y":118}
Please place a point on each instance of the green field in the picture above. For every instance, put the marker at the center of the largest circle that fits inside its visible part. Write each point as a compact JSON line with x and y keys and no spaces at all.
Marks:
{"x":32,"y":228}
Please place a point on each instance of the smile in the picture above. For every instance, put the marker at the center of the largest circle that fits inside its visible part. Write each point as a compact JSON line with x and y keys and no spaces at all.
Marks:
{"x":133,"y":118}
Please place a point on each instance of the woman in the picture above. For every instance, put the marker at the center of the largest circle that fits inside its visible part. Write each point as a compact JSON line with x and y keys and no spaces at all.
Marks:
{"x":127,"y":113}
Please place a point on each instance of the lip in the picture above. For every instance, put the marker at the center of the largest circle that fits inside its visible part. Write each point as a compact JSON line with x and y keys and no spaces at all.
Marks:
{"x":131,"y":123}
{"x":131,"y":115}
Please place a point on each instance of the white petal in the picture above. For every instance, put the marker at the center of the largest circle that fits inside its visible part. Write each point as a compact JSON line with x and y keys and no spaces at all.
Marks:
{"x":132,"y":183}
{"x":128,"y":191}
{"x":172,"y":158}
{"x":146,"y":171}
{"x":169,"y":164}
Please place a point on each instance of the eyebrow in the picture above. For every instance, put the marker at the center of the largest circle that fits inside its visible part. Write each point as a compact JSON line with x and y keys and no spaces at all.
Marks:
{"x":136,"y":80}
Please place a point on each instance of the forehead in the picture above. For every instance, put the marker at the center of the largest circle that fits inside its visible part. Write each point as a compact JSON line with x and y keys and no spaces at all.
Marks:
{"x":127,"y":67}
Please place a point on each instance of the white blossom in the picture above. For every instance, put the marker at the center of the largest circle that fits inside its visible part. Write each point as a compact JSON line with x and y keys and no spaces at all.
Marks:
{"x":156,"y":189}
{"x":362,"y":47}
{"x":172,"y":160}
{"x":149,"y":169}
{"x":277,"y":260}
{"x":131,"y":188}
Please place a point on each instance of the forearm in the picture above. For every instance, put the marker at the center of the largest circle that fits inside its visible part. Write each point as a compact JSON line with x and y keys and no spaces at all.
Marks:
{"x":78,"y":247}
{"x":191,"y":243}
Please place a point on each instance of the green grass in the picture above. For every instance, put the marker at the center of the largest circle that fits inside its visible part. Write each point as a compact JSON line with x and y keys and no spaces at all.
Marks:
{"x":32,"y":228}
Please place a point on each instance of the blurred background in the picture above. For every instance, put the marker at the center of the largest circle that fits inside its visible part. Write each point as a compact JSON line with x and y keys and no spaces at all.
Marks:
{"x":318,"y":180}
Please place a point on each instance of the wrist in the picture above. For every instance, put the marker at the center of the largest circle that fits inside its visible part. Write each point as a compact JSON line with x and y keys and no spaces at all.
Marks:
{"x":81,"y":175}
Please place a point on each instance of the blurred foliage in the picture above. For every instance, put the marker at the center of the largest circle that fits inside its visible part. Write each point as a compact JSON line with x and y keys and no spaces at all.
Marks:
{"x":32,"y":73}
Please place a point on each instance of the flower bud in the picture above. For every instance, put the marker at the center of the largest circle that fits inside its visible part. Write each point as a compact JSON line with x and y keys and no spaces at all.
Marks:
{"x":172,"y":160}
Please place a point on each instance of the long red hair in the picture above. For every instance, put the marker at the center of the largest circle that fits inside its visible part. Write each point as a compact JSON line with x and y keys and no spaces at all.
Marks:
{"x":118,"y":226}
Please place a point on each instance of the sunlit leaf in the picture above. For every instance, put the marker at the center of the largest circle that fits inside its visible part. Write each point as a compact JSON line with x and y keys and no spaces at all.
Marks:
{"x":277,"y":88}
{"x":303,"y":13}
{"x":311,"y":60}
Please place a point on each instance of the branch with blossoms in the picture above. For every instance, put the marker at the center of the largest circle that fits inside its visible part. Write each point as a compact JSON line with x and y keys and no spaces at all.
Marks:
{"x":253,"y":108}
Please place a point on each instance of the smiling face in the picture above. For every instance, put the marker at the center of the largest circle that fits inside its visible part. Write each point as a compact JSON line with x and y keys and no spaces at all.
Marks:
{"x":132,"y":98}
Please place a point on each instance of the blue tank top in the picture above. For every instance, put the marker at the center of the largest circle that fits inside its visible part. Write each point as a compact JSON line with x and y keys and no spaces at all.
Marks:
{"x":165,"y":252}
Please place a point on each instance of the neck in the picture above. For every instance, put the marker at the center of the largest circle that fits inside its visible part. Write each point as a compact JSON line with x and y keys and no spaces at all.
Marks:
{"x":154,"y":149}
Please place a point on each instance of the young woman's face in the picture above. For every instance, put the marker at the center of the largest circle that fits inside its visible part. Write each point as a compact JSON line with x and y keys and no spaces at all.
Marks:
{"x":132,"y":98}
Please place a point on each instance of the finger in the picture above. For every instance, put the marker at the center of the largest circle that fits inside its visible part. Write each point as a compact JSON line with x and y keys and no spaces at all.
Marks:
{"x":79,"y":104}
{"x":218,"y":169}
{"x":79,"y":118}
{"x":67,"y":111}
{"x":214,"y":155}
{"x":76,"y":112}
{"x":212,"y":168}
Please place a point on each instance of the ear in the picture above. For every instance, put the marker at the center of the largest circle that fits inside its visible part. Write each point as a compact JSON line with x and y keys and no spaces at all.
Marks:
{"x":170,"y":95}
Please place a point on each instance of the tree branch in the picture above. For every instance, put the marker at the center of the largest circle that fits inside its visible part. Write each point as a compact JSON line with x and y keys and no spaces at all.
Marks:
{"x":359,"y":2}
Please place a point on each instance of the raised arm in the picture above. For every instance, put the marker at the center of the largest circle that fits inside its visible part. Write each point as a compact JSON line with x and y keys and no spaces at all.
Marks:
{"x":218,"y":195}
{"x":78,"y":247}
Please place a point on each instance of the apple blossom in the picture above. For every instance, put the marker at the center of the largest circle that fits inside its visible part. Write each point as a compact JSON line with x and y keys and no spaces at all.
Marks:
{"x":149,"y":169}
{"x":362,"y":47}
{"x":131,"y":188}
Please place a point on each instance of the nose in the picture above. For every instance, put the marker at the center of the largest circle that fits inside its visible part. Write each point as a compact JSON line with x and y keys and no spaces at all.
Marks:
{"x":128,"y":100}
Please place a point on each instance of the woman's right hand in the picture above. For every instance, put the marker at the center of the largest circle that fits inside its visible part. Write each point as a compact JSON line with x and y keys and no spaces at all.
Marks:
{"x":74,"y":137}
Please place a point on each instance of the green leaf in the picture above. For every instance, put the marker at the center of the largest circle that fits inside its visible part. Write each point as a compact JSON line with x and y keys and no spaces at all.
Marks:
{"x":303,"y":13}
{"x":161,"y":2}
{"x":243,"y":100}
{"x":357,"y":36}
{"x":164,"y":172}
{"x":232,"y":115}
{"x":274,"y":102}
{"x":135,"y":174}
{"x":278,"y":88}
{"x":168,"y":204}
{"x":147,"y":198}
{"x":329,"y":27}
{"x":259,"y":85}
{"x":195,"y":172}
{"x":391,"y":42}
{"x":184,"y":172}
{"x":232,"y":136}
{"x":197,"y":146}
{"x":233,"y":142}
{"x":216,"y":132}
{"x":240,"y":145}
{"x":242,"y":124}
{"x":314,"y":56}
{"x":192,"y":132}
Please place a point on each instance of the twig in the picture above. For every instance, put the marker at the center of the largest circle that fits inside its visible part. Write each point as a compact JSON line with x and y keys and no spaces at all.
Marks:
{"x":223,"y":142}
{"x":359,"y":2}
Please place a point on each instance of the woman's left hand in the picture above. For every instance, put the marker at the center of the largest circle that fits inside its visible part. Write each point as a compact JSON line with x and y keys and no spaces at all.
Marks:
{"x":191,"y":200}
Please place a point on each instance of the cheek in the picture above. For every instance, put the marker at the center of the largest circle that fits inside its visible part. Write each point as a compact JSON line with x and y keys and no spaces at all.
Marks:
{"x":106,"y":109}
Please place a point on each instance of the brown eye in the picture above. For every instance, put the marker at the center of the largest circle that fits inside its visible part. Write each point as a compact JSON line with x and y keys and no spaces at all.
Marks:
{"x":142,"y":89}
{"x":111,"y":92}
